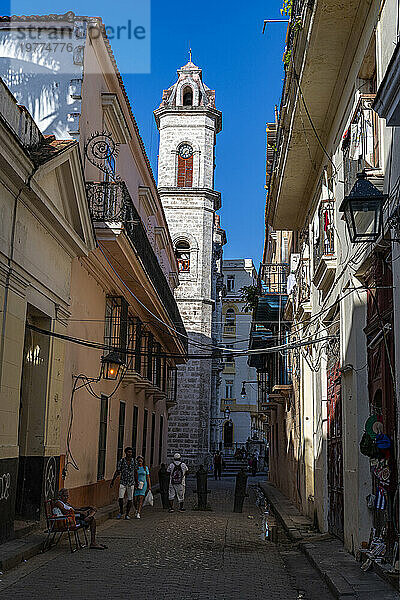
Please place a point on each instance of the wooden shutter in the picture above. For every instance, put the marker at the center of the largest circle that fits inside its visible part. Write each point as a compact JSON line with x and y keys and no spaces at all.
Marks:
{"x":185,"y":172}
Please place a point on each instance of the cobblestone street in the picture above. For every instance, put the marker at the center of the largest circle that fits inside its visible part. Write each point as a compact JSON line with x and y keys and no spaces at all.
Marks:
{"x":196,"y":555}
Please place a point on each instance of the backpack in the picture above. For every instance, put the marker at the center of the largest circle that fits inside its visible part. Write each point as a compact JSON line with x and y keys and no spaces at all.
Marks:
{"x":177,"y":475}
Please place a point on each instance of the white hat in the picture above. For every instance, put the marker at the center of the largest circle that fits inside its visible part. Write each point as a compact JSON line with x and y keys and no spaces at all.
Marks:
{"x":177,"y":456}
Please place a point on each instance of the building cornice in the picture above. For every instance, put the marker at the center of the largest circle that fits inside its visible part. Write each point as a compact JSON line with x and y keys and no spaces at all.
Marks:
{"x":387,"y":101}
{"x":208,"y":193}
{"x":213,"y":113}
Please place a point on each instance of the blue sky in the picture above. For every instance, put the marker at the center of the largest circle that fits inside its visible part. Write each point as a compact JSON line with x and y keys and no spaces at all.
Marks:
{"x":242,"y":65}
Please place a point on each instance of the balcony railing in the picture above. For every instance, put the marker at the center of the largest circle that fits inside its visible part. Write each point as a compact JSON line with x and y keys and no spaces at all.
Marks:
{"x":273,"y":278}
{"x":301,"y":292}
{"x":361,"y":142}
{"x":110,"y":202}
{"x":324,"y":244}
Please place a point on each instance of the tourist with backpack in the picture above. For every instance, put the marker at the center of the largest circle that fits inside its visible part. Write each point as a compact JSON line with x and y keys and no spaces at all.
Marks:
{"x":177,"y":472}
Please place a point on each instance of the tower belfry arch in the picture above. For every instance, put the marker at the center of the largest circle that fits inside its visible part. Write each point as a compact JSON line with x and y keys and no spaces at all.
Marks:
{"x":188,"y":123}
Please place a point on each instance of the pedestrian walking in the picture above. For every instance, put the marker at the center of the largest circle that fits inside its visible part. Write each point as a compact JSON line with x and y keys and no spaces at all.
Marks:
{"x":126,"y":469}
{"x":177,"y":473}
{"x":142,"y":484}
{"x":217,"y":465}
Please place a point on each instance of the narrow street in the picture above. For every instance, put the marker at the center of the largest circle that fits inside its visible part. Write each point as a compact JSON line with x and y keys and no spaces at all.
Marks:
{"x":199,"y":555}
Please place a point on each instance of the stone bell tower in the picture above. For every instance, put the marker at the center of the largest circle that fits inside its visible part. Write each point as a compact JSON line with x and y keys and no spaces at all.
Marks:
{"x":188,"y":123}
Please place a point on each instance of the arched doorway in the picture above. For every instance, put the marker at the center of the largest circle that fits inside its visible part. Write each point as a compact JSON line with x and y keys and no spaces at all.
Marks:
{"x":228,"y":434}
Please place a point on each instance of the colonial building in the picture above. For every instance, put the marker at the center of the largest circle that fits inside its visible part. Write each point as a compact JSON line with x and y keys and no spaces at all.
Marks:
{"x":188,"y":123}
{"x":45,"y":226}
{"x":242,"y":422}
{"x":338,"y":303}
{"x":121,"y":299}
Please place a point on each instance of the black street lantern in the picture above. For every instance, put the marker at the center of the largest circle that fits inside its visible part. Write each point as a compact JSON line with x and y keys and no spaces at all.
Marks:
{"x":363,"y":210}
{"x":110,"y":365}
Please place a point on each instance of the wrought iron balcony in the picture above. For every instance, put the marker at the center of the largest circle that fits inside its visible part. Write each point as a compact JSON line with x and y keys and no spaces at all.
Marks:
{"x":111,"y":203}
{"x":273,"y":278}
{"x":324,"y":244}
{"x":301,"y":292}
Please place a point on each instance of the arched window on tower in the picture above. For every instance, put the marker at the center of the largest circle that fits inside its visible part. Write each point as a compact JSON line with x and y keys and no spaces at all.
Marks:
{"x":187,"y":96}
{"x":185,"y":166}
{"x":182,"y":253}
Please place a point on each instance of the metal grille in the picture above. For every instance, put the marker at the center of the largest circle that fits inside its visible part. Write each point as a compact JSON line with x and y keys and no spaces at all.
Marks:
{"x":172,"y":386}
{"x":115,"y":332}
{"x":302,"y":291}
{"x":273,"y":278}
{"x":325,"y":244}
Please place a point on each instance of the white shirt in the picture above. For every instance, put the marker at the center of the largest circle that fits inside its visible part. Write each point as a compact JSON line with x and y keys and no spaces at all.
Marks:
{"x":184,"y":468}
{"x":57,"y":511}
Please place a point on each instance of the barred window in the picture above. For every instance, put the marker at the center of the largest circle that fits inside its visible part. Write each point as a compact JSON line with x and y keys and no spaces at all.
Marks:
{"x":116,"y":325}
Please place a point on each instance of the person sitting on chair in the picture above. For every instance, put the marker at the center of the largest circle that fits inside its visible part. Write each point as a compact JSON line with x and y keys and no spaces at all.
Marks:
{"x":83,"y":516}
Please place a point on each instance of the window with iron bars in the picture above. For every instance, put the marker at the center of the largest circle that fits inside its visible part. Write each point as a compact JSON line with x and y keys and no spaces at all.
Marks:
{"x":116,"y":325}
{"x":144,"y":353}
{"x":157,"y":365}
{"x":172,"y":379}
{"x":324,"y":242}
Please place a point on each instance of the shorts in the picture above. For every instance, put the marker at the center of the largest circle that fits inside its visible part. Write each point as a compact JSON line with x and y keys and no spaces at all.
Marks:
{"x":80,"y":521}
{"x":126,"y":488}
{"x":177,"y":490}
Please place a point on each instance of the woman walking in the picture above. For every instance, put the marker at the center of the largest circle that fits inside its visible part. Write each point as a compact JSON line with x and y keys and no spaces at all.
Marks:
{"x":142,"y":484}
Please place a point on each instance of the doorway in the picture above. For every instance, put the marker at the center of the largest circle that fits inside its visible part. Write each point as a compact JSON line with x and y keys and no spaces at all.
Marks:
{"x":32,"y":411}
{"x":335,"y":455}
{"x":228,"y":434}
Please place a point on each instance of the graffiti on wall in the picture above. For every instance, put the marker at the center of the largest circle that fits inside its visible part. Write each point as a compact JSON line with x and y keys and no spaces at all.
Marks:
{"x":5,"y":485}
{"x":50,"y":479}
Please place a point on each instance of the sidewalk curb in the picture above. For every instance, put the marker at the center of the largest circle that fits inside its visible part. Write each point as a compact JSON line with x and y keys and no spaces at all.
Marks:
{"x":286,"y":514}
{"x":335,"y":565}
{"x":336,"y":583}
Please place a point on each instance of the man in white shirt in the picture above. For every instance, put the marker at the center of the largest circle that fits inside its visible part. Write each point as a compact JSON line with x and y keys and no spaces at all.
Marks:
{"x":177,"y":473}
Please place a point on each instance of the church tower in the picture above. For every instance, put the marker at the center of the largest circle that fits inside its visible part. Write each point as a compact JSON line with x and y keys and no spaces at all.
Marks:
{"x":188,"y":123}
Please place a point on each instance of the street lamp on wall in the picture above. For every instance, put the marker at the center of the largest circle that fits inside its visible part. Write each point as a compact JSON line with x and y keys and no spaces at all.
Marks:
{"x":110,"y":365}
{"x":363,"y":211}
{"x":243,"y":392}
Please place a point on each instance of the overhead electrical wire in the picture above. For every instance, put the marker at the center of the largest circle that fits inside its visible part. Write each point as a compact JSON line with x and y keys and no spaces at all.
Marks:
{"x":99,"y":346}
{"x":179,"y":333}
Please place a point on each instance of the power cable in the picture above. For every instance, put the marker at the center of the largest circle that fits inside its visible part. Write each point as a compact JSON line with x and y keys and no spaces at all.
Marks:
{"x":140,"y":302}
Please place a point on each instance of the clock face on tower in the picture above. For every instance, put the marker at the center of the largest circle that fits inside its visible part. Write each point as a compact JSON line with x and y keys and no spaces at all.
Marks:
{"x":185,"y":151}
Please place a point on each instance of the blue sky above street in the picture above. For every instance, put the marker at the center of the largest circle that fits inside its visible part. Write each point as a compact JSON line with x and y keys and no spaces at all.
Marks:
{"x":242,"y":65}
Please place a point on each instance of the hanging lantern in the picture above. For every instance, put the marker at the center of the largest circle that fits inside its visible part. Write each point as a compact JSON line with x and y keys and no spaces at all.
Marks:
{"x":110,"y":365}
{"x":363,"y":211}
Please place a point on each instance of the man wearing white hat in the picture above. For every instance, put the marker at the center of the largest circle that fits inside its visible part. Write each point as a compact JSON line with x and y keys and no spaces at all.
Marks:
{"x":177,"y":472}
